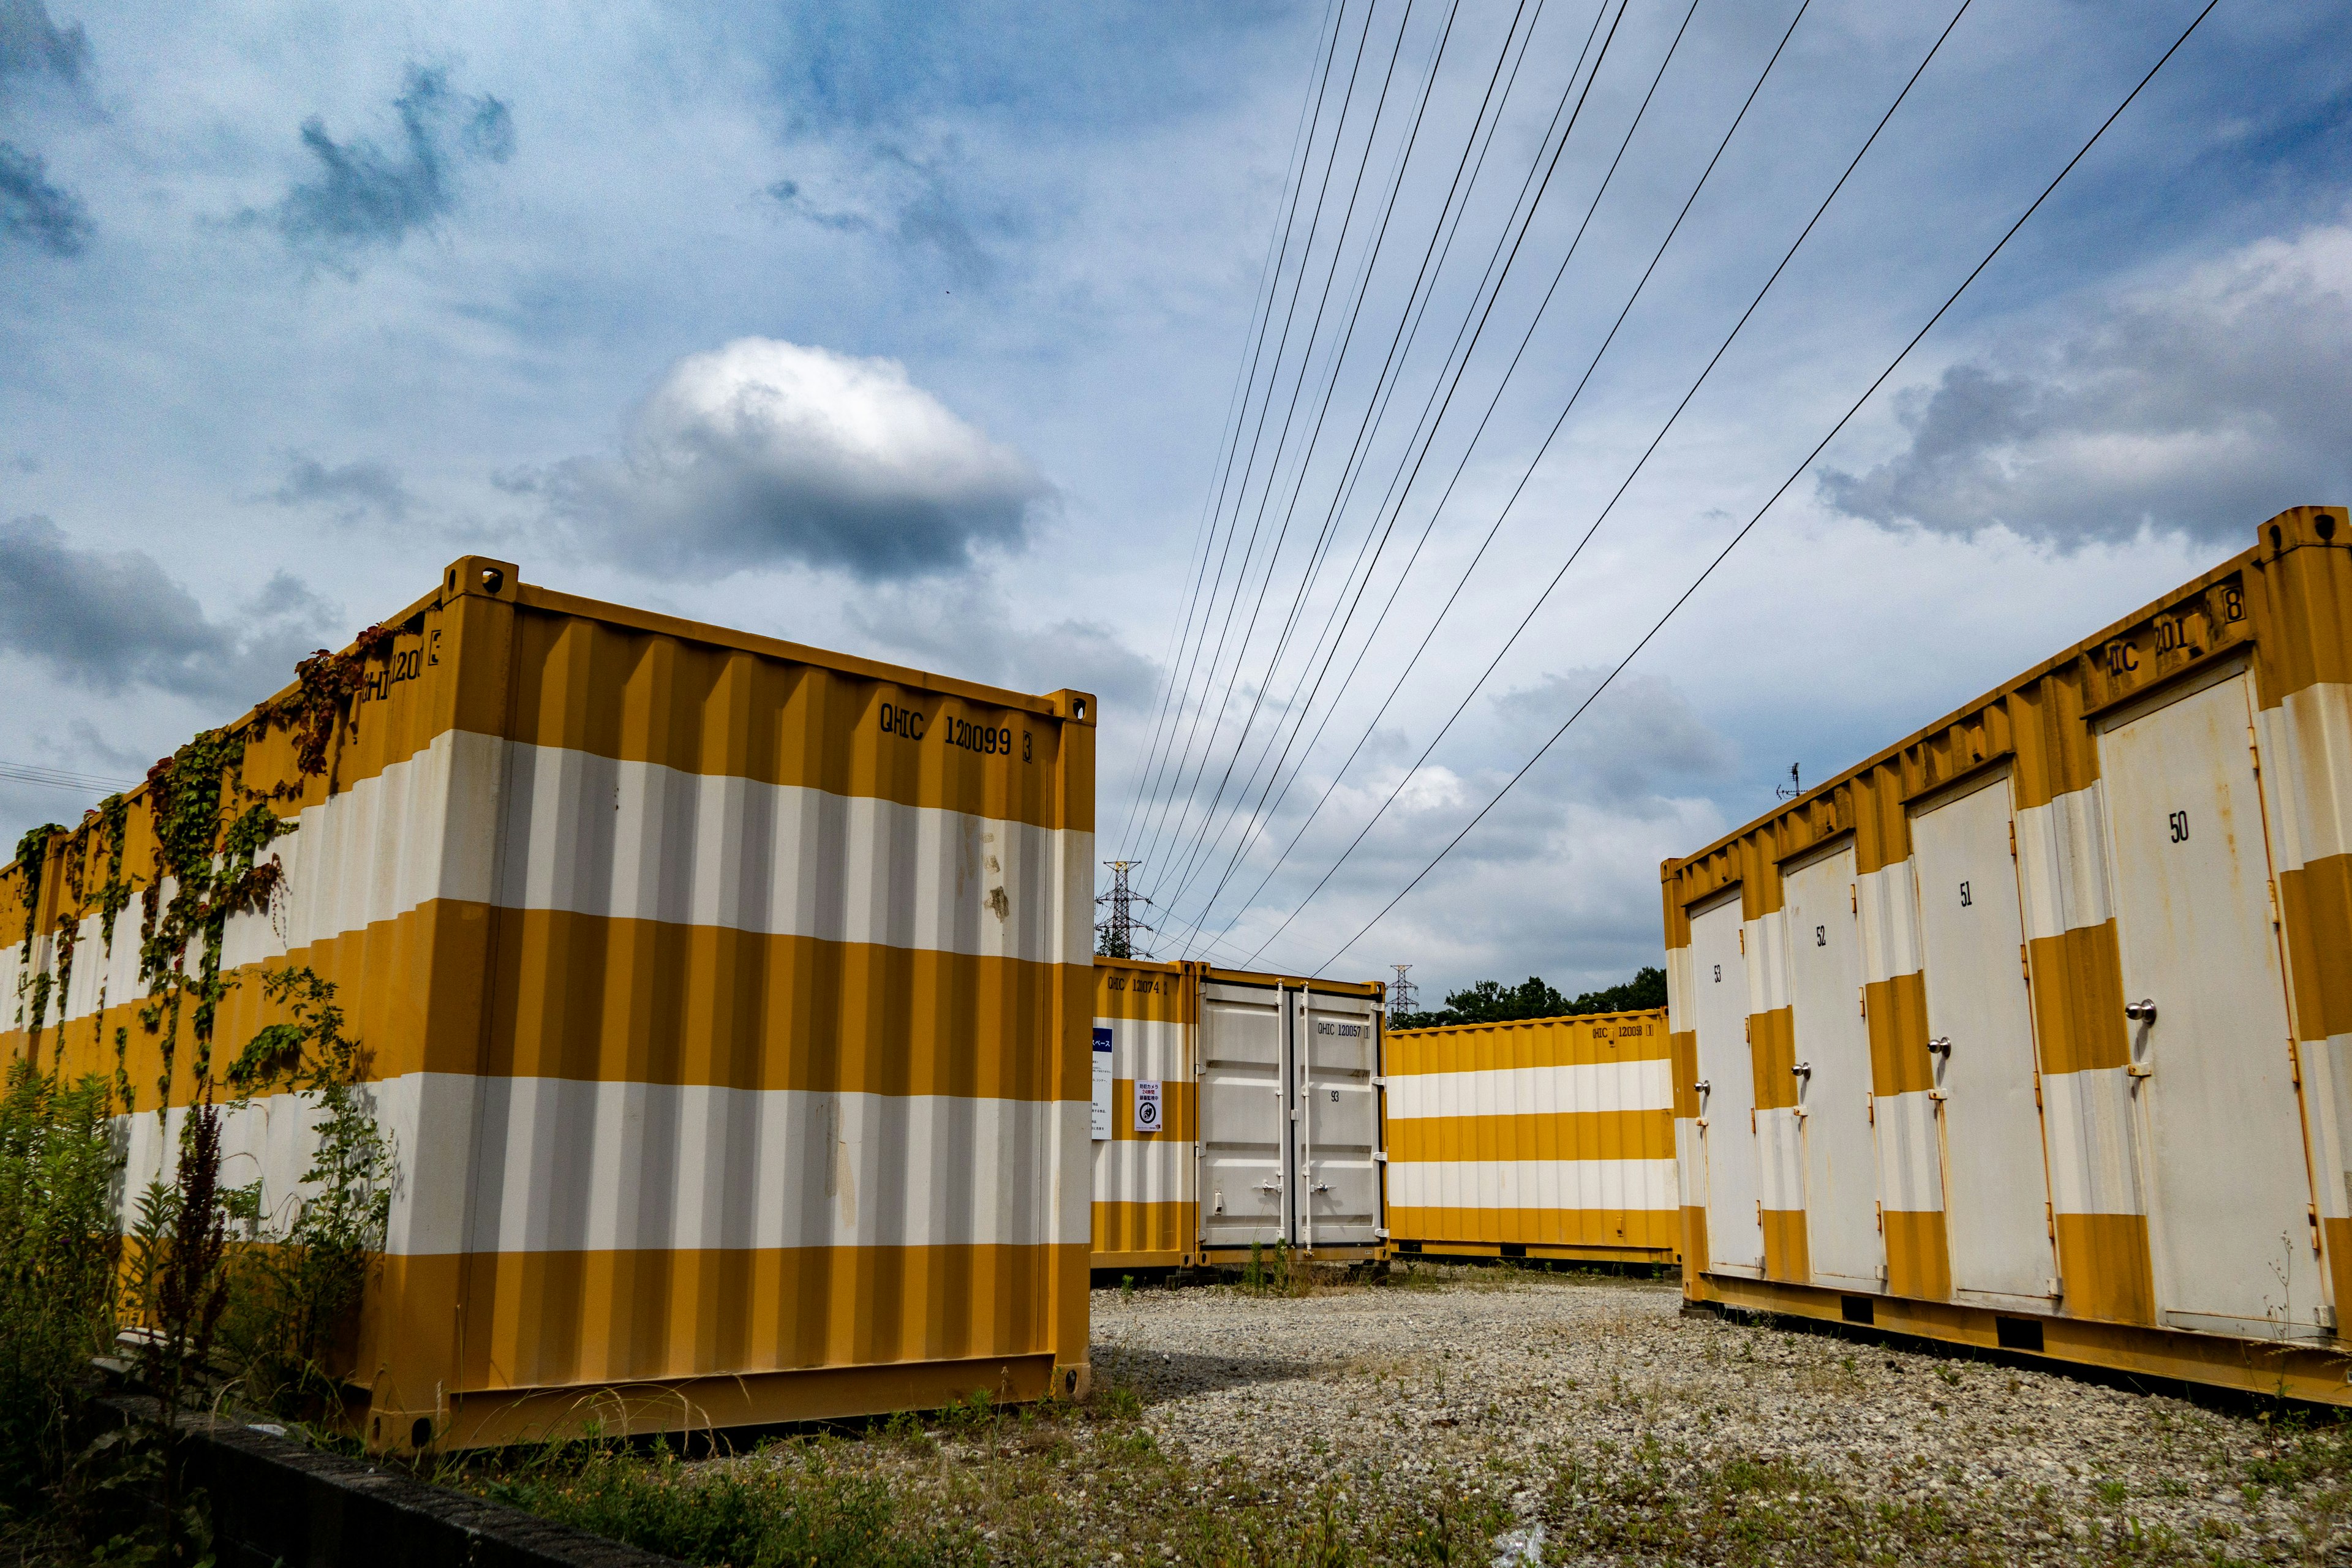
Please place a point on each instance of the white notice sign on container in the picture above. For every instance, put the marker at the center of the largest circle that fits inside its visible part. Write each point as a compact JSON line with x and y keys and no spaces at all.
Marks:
{"x":1101,"y":1122}
{"x":1147,"y":1105}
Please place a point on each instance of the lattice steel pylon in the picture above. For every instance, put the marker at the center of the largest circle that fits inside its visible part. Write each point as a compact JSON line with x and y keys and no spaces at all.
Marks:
{"x":1404,"y":994}
{"x":1115,"y":936}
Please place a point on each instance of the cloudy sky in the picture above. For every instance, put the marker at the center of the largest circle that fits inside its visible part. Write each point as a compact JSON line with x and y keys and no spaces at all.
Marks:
{"x":1280,"y":356}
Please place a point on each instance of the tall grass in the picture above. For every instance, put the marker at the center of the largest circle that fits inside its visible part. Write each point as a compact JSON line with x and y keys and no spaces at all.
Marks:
{"x":60,"y":1246}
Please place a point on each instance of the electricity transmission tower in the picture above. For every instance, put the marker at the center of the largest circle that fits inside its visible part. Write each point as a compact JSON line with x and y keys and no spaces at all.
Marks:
{"x":1404,"y":994}
{"x":1113,"y":937}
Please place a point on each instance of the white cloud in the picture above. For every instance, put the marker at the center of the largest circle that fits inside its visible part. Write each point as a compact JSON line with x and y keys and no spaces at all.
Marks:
{"x":760,"y":452}
{"x":2222,"y":396}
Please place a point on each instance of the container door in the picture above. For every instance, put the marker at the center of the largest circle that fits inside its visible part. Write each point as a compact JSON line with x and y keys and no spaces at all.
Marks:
{"x":2228,"y":1221}
{"x":1980,"y":1028}
{"x":1726,"y":1106}
{"x":1245,"y":1095}
{"x":1338,"y":1127}
{"x":1834,"y":1089}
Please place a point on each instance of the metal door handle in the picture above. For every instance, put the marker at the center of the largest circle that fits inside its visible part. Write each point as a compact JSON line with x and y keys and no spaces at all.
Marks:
{"x":1273,"y":1186}
{"x":1802,"y":1069}
{"x":2140,"y":1012}
{"x":1941,"y":1046}
{"x":1703,"y":1086}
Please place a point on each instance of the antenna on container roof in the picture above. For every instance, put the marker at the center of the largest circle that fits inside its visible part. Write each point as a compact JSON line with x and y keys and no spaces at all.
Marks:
{"x":1113,"y":937}
{"x":1795,"y":787}
{"x":1405,"y":993}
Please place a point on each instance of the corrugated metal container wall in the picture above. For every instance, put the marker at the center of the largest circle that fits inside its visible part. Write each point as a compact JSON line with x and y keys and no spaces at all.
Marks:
{"x":1539,"y":1137}
{"x":1146,"y":1215}
{"x":1269,"y":1089}
{"x":2035,"y":1030}
{"x":726,"y":1000}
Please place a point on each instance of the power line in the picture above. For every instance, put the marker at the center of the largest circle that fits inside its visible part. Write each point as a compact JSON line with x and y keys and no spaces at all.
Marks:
{"x":1274,"y":377}
{"x":59,"y":778}
{"x":1261,"y":320}
{"x":1526,"y":338}
{"x":1305,"y":360}
{"x":1425,"y":422}
{"x":1782,"y":490}
{"x":1529,"y":472}
{"x":1417,"y":302}
{"x":1250,"y":834}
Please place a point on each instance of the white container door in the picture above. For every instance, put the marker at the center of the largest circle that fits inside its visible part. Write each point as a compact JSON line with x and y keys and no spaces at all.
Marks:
{"x":1972,"y":948}
{"x":1841,"y":1234}
{"x":1734,"y":1233}
{"x":1335,"y":1042}
{"x":1244,"y":1096}
{"x":2228,"y":1221}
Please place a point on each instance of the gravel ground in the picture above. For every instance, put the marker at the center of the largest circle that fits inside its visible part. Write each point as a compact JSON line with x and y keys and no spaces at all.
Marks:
{"x":1618,"y":1427}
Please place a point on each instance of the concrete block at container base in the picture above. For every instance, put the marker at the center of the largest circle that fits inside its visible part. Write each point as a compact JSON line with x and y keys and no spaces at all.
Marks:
{"x":2035,"y":1029}
{"x":1269,"y":1124}
{"x":1538,"y":1138}
{"x":727,"y":1000}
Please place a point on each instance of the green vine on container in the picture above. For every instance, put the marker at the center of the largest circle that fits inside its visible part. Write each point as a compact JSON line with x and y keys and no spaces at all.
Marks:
{"x":214,"y":875}
{"x":32,"y":857}
{"x":326,"y":686}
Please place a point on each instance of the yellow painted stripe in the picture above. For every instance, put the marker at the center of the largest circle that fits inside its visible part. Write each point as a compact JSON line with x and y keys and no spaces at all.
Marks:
{"x":1786,"y":1253}
{"x":1918,"y":1257}
{"x":2315,"y":904}
{"x":642,"y":1001}
{"x":1155,"y":994}
{"x":1145,"y":1227}
{"x":1556,"y":1135}
{"x":1656,"y":1228}
{"x":2104,"y":1259}
{"x":1582,"y":1041}
{"x":1772,"y":1050}
{"x":2078,"y":999}
{"x":1898,"y":1013}
{"x":641,"y":696}
{"x":533,"y":1320}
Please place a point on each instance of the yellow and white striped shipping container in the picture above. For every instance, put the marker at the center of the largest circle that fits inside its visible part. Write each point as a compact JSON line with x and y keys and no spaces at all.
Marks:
{"x":1538,"y":1138}
{"x":1234,"y":1108}
{"x":726,"y":999}
{"x":1147,"y":1020}
{"x":2035,"y":1030}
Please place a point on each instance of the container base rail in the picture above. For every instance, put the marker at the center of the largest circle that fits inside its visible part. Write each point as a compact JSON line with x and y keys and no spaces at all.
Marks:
{"x":2282,"y":1369}
{"x":1635,"y":1257}
{"x":508,"y":1417}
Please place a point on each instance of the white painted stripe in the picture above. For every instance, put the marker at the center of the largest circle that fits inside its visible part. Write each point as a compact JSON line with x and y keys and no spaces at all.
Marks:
{"x":2089,"y":1117}
{"x":2062,"y":863}
{"x":1690,"y":1148}
{"x":1533,"y":1091}
{"x":632,"y":840}
{"x":2307,"y":755}
{"x":1889,"y":914}
{"x":568,"y":1165}
{"x":1781,"y":1153}
{"x":1533,"y":1184}
{"x":1767,"y":941}
{"x":629,"y":840}
{"x":1148,"y":1047}
{"x":1910,"y":1154}
{"x":1678,"y":991}
{"x":2328,"y":1070}
{"x":1142,"y":1170}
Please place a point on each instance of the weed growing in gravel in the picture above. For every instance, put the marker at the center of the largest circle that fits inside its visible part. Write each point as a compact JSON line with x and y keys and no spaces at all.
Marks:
{"x":984,"y":1482}
{"x":788,"y":1504}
